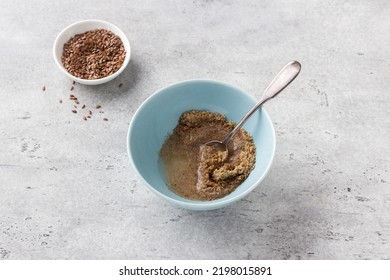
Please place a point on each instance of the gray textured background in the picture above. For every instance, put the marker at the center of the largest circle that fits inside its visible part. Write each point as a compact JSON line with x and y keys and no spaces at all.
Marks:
{"x":67,"y":190}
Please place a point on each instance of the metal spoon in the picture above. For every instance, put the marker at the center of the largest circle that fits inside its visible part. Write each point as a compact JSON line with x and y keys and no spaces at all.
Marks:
{"x":279,"y":83}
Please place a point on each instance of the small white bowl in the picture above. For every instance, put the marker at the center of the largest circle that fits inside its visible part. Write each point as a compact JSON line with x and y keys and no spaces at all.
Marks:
{"x":81,"y":27}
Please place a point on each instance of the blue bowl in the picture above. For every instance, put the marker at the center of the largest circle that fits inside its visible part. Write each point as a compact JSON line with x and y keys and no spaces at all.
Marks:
{"x":156,"y":118}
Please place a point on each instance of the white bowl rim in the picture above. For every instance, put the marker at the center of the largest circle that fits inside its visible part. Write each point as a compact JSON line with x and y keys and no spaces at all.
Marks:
{"x":94,"y":81}
{"x":201,"y":205}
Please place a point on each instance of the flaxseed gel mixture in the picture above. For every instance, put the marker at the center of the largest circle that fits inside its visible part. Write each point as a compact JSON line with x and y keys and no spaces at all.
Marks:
{"x":200,"y":172}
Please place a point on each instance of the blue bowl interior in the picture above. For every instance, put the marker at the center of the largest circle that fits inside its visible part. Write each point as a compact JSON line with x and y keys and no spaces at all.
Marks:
{"x":159,"y":114}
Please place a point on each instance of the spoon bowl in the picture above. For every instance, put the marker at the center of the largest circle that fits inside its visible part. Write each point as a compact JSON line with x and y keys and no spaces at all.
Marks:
{"x":218,"y":145}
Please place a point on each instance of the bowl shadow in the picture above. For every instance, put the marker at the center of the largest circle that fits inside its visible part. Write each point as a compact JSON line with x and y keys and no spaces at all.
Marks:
{"x":253,"y":229}
{"x":116,"y":89}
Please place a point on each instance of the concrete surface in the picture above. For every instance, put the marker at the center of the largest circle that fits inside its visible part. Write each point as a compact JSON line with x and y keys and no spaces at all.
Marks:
{"x":67,"y":190}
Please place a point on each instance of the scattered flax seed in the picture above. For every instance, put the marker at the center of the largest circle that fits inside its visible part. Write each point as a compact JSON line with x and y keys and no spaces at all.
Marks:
{"x":71,"y":95}
{"x":105,"y":119}
{"x":98,"y":106}
{"x":89,"y":116}
{"x":75,"y":106}
{"x":90,"y":112}
{"x":74,"y":111}
{"x":73,"y":82}
{"x":60,"y":100}
{"x":83,"y":106}
{"x":84,"y":118}
{"x":72,"y":88}
{"x":44,"y":88}
{"x":120,"y":85}
{"x":77,"y":102}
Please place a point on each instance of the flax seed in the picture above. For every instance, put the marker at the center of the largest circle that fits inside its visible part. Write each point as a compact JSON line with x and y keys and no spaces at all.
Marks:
{"x":94,"y":54}
{"x":98,"y":106}
{"x":44,"y":88}
{"x":74,"y":111}
{"x":83,"y":107}
{"x":105,"y":119}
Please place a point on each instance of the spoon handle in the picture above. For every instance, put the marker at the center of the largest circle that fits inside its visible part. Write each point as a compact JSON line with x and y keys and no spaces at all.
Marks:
{"x":279,"y":83}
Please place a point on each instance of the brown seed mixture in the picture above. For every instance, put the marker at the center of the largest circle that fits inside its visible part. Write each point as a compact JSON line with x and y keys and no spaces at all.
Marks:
{"x":200,"y":172}
{"x":94,"y":54}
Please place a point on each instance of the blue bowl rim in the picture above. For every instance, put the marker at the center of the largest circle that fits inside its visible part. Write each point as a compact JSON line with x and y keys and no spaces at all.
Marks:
{"x":200,"y":205}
